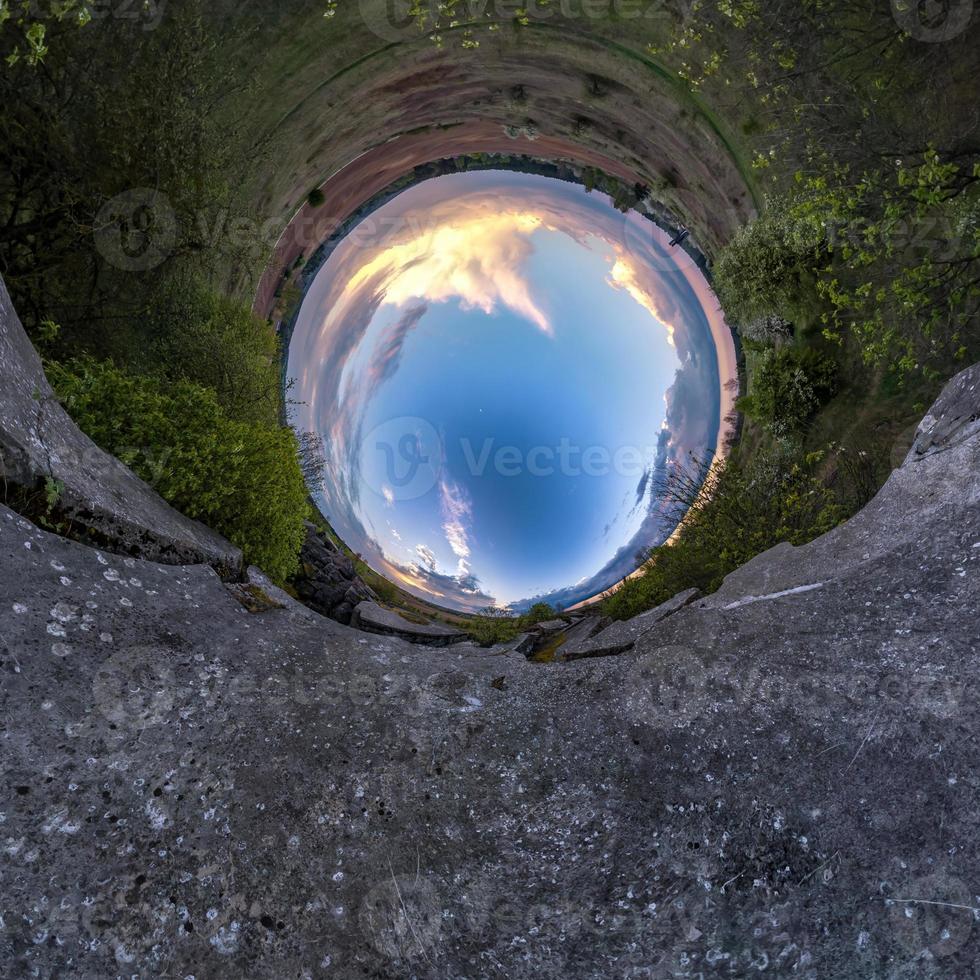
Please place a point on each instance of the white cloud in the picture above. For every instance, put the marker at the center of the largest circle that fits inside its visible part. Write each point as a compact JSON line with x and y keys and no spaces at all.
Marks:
{"x":428,"y":558}
{"x":456,"y":513}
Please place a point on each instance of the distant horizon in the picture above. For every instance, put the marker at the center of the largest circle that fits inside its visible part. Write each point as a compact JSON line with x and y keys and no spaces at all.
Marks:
{"x":502,"y":368}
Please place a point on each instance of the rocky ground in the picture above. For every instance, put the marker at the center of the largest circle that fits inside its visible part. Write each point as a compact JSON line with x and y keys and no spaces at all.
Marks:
{"x":780,"y":778}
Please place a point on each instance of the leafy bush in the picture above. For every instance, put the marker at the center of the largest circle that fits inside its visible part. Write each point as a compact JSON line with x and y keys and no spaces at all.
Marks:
{"x":492,"y":626}
{"x":540,"y":612}
{"x":70,"y":198}
{"x":386,"y":591}
{"x":889,"y":257}
{"x":315,"y":198}
{"x":769,"y":265}
{"x":194,"y":334}
{"x":743,"y":509}
{"x":24,"y":27}
{"x":241,"y":478}
{"x":497,"y":625}
{"x":787,"y":388}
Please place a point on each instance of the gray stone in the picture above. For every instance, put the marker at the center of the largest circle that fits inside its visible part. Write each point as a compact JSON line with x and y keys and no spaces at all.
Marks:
{"x":584,"y":628}
{"x":327,"y":581}
{"x":39,"y":441}
{"x":548,"y":626}
{"x":930,"y":484}
{"x":774,"y":782}
{"x":622,"y":636}
{"x":373,"y":618}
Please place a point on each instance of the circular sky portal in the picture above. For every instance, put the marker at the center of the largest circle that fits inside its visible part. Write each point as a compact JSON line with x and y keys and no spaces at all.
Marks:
{"x":503,"y":367}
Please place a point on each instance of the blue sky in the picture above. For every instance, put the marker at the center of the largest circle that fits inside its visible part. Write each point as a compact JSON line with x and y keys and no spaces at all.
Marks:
{"x":497,"y":362}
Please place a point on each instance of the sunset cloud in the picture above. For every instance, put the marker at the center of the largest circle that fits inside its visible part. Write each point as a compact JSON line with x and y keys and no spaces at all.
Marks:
{"x":481,"y":261}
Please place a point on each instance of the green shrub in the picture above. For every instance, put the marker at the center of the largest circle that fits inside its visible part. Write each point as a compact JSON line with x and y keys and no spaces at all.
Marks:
{"x":194,"y":334}
{"x":886,"y":258}
{"x":742,"y":511}
{"x":768,"y":267}
{"x":787,"y":387}
{"x":491,"y":627}
{"x":496,"y":625}
{"x":315,"y":198}
{"x":241,"y":478}
{"x":540,"y":612}
{"x":386,"y":591}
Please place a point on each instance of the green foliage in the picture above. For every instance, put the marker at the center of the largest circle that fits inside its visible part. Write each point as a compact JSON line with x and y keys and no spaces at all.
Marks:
{"x":624,"y":196}
{"x":70,"y":191}
{"x":769,"y":265}
{"x":492,"y":626}
{"x":787,"y":387}
{"x":892,"y":256}
{"x":53,"y":489}
{"x":386,"y":591}
{"x":44,"y":335}
{"x":315,"y":198}
{"x":241,"y":478}
{"x":742,"y":510}
{"x":194,"y":334}
{"x":904,"y":275}
{"x":24,"y":27}
{"x":497,"y":625}
{"x":873,"y":223}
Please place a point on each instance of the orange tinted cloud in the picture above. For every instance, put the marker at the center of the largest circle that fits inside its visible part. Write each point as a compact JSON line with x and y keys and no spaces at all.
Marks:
{"x":480,"y":261}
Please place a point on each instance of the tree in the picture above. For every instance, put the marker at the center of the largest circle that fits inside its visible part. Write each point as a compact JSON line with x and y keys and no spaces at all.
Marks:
{"x":739,"y":509}
{"x":768,"y":267}
{"x":193,"y":333}
{"x":770,"y":330}
{"x":25,"y":29}
{"x":158,"y":170}
{"x":312,"y":459}
{"x":889,"y":257}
